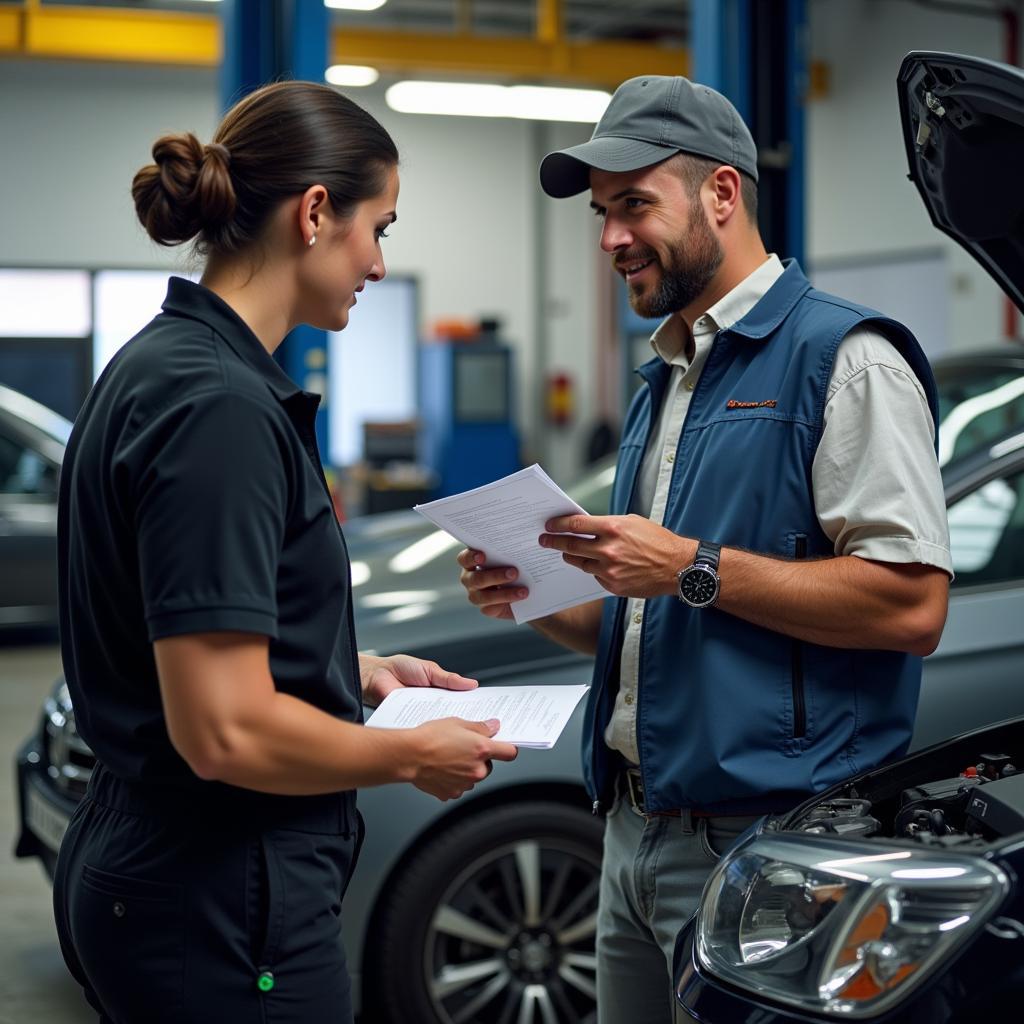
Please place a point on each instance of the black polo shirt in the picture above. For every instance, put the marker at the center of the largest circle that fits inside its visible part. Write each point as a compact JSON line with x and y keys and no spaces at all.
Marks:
{"x":192,"y":499}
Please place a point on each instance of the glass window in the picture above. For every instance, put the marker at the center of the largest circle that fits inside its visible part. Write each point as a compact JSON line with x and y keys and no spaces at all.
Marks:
{"x":371,"y":367}
{"x":986,"y":533}
{"x":44,"y":304}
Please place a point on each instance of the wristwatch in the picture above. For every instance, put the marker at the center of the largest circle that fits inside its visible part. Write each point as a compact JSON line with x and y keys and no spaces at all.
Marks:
{"x":699,"y":583}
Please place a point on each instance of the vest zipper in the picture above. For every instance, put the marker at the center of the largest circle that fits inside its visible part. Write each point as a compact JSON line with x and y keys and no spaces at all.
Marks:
{"x":797,"y":661}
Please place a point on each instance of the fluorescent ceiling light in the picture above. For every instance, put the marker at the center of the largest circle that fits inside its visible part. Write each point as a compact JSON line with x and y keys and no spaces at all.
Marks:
{"x":532,"y":102}
{"x":351,"y":75}
{"x":354,"y":5}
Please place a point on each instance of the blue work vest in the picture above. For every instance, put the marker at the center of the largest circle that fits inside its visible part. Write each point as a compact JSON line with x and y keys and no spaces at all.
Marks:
{"x":733,"y":718}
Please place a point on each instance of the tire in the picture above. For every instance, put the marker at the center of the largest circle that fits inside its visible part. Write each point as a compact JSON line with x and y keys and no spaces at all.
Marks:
{"x":491,"y":921}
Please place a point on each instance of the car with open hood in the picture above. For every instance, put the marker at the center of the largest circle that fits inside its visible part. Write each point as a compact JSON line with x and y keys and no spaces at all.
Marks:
{"x":896,"y":896}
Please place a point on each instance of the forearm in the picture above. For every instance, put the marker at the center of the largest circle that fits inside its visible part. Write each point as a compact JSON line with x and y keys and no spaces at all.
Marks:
{"x":837,"y":602}
{"x":287,"y":746}
{"x":844,"y":601}
{"x":576,"y":628}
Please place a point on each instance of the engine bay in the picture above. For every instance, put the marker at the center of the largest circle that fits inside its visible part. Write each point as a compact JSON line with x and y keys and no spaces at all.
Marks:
{"x":969,"y":791}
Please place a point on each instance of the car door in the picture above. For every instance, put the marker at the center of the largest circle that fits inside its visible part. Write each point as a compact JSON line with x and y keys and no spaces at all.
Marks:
{"x":976,"y":676}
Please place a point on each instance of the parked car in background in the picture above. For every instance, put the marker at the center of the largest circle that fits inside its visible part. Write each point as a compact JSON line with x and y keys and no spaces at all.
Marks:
{"x":896,"y":896}
{"x":32,"y":441}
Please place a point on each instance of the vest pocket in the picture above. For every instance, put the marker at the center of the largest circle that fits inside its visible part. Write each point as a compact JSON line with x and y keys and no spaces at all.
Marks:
{"x":797,"y":660}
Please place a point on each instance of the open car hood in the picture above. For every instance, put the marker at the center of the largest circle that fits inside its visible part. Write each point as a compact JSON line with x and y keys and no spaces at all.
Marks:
{"x":963,"y":128}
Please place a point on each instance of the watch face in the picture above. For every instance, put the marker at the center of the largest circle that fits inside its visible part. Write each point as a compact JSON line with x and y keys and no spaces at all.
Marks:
{"x":698,"y":586}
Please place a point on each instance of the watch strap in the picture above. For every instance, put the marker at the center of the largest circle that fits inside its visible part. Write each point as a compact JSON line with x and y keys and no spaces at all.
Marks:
{"x":708,"y":553}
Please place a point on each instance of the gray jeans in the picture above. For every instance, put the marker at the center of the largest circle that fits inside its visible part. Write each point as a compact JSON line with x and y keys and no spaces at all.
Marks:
{"x":652,"y":876}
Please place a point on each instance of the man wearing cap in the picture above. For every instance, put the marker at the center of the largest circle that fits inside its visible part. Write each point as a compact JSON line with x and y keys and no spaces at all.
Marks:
{"x":777,"y":550}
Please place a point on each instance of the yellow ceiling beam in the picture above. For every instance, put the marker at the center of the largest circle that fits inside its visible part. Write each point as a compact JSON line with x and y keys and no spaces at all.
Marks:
{"x":166,"y":37}
{"x":593,"y":63}
{"x":11,"y":19}
{"x":110,"y":34}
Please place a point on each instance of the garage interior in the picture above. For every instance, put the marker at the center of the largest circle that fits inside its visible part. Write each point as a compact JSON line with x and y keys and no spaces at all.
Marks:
{"x":501,"y":336}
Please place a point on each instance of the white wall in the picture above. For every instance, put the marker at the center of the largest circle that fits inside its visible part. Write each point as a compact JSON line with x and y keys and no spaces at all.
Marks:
{"x":74,"y":134}
{"x":859,"y":200}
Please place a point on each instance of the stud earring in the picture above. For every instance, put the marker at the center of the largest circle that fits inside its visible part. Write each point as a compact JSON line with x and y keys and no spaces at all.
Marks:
{"x":312,"y":240}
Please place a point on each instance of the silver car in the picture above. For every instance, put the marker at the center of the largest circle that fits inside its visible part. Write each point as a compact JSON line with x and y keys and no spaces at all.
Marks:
{"x":32,"y":441}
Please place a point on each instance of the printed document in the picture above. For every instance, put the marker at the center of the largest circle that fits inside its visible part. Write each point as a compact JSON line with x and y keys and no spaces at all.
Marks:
{"x":504,"y":519}
{"x":530,"y":716}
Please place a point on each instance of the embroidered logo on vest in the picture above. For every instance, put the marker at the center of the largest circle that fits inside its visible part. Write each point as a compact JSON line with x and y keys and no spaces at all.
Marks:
{"x":768,"y":403}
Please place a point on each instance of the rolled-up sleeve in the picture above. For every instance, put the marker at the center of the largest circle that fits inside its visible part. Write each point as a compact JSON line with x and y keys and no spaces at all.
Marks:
{"x":876,"y":480}
{"x":210,"y":505}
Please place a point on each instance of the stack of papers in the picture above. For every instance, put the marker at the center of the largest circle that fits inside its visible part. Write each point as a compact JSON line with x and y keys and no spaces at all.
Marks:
{"x":530,"y":716}
{"x":504,"y":519}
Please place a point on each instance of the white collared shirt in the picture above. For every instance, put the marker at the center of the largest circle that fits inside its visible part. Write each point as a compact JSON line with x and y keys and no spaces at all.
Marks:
{"x":876,"y":451}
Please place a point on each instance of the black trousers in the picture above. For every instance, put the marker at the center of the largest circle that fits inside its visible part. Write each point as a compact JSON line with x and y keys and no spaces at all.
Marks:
{"x":212,"y":905}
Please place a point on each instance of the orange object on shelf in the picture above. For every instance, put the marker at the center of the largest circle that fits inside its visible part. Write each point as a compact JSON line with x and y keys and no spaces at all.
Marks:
{"x":455,"y":330}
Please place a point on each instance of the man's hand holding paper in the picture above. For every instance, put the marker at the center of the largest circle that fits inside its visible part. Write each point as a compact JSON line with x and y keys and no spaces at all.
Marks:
{"x":505,"y":520}
{"x":630,"y":556}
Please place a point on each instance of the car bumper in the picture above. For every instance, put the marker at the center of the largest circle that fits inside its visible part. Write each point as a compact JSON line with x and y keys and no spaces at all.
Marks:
{"x":43,"y":814}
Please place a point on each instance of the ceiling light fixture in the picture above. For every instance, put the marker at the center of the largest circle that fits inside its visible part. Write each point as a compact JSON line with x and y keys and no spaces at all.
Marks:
{"x":531,"y":102}
{"x":353,"y":75}
{"x":354,"y":5}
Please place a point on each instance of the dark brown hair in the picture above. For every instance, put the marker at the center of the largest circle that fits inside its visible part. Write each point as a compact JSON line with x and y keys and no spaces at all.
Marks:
{"x":275,"y":143}
{"x":694,"y":171}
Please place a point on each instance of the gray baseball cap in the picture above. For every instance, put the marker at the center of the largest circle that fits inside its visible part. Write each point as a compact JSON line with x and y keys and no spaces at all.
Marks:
{"x":648,"y":120}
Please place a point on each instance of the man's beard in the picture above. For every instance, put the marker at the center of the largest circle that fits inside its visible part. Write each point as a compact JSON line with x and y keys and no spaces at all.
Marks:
{"x":691,"y":265}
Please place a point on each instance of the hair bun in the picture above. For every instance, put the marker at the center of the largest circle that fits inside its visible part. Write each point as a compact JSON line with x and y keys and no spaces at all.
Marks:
{"x":215,"y":192}
{"x":186,"y":191}
{"x":218,"y":150}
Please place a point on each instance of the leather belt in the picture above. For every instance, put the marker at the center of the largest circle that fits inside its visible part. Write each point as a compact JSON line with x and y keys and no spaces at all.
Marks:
{"x":633,"y":791}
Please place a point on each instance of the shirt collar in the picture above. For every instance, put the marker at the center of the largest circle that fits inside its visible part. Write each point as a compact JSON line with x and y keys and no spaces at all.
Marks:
{"x":669,"y":340}
{"x":192,"y":300}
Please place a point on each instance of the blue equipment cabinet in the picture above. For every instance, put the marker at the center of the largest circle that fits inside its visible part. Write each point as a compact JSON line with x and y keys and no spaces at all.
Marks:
{"x":466,"y":402}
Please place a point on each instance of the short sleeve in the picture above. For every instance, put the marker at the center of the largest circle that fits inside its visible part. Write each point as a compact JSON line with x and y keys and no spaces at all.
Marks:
{"x":211,"y":501}
{"x":876,"y":480}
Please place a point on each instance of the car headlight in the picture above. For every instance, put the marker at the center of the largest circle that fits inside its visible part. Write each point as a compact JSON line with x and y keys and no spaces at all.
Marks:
{"x":835,"y":926}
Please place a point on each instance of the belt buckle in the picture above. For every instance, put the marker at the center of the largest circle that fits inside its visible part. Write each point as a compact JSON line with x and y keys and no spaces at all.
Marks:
{"x":635,"y":791}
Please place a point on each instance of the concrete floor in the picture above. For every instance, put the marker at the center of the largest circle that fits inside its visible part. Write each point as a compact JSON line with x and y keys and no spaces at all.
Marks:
{"x":35,"y":987}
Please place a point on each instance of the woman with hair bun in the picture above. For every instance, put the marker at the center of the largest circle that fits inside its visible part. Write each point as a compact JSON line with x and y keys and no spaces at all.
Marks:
{"x":205,"y":596}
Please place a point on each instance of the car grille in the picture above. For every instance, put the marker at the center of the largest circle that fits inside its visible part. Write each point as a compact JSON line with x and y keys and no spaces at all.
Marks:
{"x":68,"y":757}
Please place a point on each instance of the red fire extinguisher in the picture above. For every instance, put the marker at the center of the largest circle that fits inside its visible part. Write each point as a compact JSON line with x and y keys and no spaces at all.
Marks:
{"x":559,"y":402}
